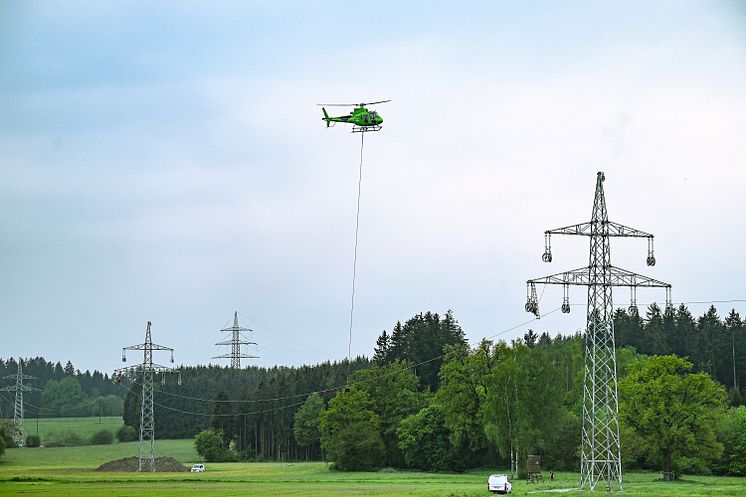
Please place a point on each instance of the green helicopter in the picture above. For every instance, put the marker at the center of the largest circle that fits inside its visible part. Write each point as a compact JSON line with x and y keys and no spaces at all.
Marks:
{"x":362,"y":119}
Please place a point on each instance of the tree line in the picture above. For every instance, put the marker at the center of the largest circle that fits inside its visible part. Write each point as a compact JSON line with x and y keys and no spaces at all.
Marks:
{"x":253,"y":406}
{"x":63,"y":391}
{"x":713,"y":345}
{"x":428,"y":400}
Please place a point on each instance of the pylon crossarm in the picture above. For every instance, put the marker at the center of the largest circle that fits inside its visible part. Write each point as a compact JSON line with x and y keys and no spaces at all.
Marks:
{"x":582,"y":277}
{"x":151,"y":346}
{"x":586,"y":229}
{"x":22,"y":388}
{"x":231,"y":356}
{"x":578,"y":276}
{"x":139,"y":368}
{"x":236,"y":328}
{"x":157,"y":368}
{"x":21,"y":376}
{"x":239,"y":342}
{"x":617,"y":229}
{"x":622,"y":277}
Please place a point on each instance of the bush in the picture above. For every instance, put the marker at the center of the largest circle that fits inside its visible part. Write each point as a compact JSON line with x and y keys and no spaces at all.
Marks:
{"x":209,"y":445}
{"x":7,"y":433}
{"x":357,"y":447}
{"x":2,"y":446}
{"x":126,"y":433}
{"x":65,"y":439}
{"x":102,"y":437}
{"x":33,"y":441}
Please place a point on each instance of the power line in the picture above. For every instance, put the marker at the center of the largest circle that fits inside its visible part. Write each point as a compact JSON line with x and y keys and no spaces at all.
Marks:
{"x":677,"y":303}
{"x":292,"y":341}
{"x":194,"y":413}
{"x":389,"y":373}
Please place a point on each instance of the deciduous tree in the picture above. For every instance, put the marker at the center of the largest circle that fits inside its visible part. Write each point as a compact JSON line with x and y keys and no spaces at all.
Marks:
{"x":672,"y":411}
{"x":350,"y":432}
{"x":306,"y":423}
{"x":424,"y":440}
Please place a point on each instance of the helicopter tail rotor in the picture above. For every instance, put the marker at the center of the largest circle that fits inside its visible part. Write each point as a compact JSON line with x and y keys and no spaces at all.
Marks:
{"x":326,"y":117}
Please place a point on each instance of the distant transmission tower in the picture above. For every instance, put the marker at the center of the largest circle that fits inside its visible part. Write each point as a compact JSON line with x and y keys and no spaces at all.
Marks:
{"x":601,"y":453}
{"x":146,"y":449}
{"x":19,"y":388}
{"x":235,"y":342}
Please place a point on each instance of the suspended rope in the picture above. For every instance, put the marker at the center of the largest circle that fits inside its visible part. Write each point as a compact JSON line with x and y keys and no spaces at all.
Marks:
{"x":354,"y":261}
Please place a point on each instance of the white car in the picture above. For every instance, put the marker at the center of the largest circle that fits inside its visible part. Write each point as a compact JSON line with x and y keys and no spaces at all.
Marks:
{"x":499,"y":484}
{"x":198,"y":468}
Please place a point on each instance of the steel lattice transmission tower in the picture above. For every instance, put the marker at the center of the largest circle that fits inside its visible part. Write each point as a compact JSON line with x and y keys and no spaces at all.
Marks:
{"x":235,"y":342}
{"x":146,"y":449}
{"x":600,"y":456}
{"x":19,"y":388}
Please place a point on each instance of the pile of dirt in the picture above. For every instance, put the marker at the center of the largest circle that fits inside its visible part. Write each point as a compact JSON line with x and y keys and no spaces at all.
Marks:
{"x":162,"y":464}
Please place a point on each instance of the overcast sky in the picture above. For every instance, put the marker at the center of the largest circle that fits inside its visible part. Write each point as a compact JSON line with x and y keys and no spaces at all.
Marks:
{"x":168,"y":163}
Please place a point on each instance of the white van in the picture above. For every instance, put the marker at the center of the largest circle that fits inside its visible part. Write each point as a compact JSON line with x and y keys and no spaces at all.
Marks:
{"x":198,"y":468}
{"x":499,"y":484}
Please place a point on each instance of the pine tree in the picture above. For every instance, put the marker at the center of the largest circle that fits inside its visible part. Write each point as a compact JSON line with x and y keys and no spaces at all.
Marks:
{"x":382,"y":349}
{"x":733,"y":328}
{"x":222,"y":417}
{"x":621,"y":328}
{"x":635,"y":331}
{"x":686,"y":328}
{"x":709,"y":329}
{"x":654,"y":332}
{"x":529,"y":338}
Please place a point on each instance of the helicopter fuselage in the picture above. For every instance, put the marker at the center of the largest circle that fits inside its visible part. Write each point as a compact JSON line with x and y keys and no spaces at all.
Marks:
{"x":360,"y":116}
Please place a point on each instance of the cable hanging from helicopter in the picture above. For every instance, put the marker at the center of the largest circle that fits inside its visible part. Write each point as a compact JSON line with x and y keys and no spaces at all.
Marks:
{"x":363,"y":120}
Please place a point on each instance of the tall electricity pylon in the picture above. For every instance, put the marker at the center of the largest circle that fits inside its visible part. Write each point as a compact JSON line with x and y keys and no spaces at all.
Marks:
{"x":235,"y":342}
{"x":19,"y":388}
{"x":146,"y":449}
{"x":601,"y":453}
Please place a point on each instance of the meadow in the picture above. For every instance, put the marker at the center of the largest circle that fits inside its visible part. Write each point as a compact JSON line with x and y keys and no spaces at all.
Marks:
{"x":85,"y":427}
{"x":71,"y":471}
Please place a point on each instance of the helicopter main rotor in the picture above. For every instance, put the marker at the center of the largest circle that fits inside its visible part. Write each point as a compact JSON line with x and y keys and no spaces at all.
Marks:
{"x":363,"y":104}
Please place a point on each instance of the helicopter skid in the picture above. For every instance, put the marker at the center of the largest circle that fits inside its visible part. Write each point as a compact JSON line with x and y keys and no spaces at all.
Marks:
{"x":365,"y":129}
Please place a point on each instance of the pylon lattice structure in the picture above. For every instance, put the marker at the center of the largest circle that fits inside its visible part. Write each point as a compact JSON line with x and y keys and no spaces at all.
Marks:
{"x":601,"y":451}
{"x":146,"y":448}
{"x":235,"y":342}
{"x":19,"y":388}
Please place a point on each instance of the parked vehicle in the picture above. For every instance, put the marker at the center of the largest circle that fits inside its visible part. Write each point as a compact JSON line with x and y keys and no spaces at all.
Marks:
{"x":198,"y":468}
{"x":499,"y":484}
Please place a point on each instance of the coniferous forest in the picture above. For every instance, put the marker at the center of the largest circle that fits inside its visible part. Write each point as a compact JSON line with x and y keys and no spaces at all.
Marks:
{"x":427,"y":399}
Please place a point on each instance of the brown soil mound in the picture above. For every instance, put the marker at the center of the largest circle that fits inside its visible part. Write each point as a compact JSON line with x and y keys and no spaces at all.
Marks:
{"x":162,"y":464}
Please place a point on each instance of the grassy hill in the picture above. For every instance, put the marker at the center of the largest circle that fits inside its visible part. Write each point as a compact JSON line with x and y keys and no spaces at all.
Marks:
{"x":85,"y":427}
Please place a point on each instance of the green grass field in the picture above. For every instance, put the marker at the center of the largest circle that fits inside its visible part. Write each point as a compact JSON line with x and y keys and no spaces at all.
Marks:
{"x":84,"y":427}
{"x":70,"y":471}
